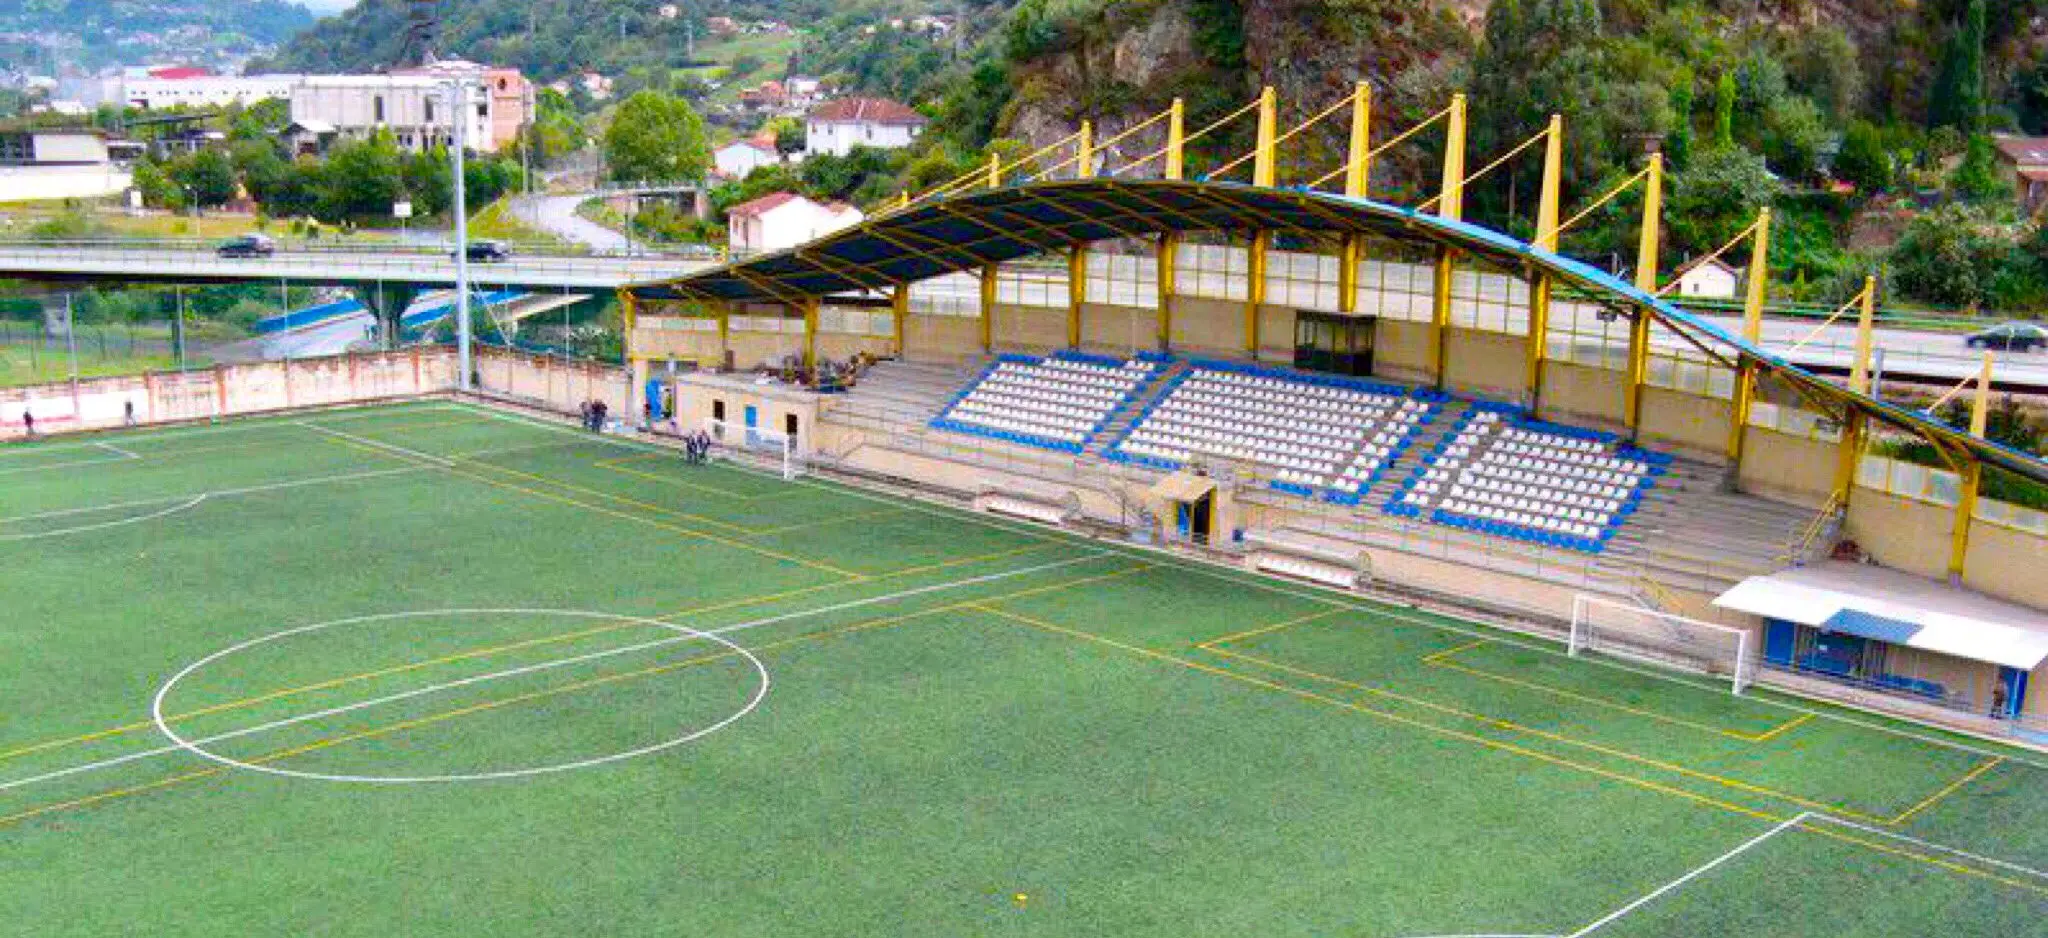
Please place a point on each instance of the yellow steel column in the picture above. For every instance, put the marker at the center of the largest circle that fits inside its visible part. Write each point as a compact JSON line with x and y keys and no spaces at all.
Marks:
{"x":899,"y":309}
{"x":1077,"y":257}
{"x":1546,"y":240}
{"x":1357,"y":180}
{"x":1450,"y":204}
{"x":1972,"y":473}
{"x":724,"y":332}
{"x":1851,"y":448}
{"x":810,"y":308}
{"x":995,"y":170}
{"x":1263,"y":174}
{"x":1646,"y":281}
{"x":988,"y":308}
{"x":1169,"y":243}
{"x":1752,"y":333}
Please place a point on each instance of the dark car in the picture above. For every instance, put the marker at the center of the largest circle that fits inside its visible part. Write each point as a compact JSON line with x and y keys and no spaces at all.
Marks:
{"x":488,"y":252}
{"x":2010,"y":337}
{"x":248,"y":245}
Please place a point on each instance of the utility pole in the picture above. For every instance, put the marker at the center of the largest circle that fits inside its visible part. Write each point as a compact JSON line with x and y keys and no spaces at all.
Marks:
{"x":460,"y":94}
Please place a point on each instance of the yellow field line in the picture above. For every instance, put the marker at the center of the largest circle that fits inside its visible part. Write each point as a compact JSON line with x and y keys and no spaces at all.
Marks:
{"x":1512,"y":726}
{"x":1501,"y":746}
{"x":614,"y":466}
{"x":494,"y":649}
{"x":1436,"y":657}
{"x":1947,"y":790}
{"x":1785,"y":727}
{"x":588,"y":682}
{"x":622,"y":499}
{"x":1592,"y":700}
{"x":1264,"y":629}
{"x":842,"y":519}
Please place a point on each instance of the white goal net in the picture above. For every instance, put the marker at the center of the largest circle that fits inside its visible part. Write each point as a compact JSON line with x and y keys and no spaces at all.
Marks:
{"x":1632,"y":633}
{"x":754,"y":446}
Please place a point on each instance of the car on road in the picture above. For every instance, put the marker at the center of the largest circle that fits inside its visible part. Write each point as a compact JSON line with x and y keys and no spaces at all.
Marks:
{"x":2010,"y":337}
{"x":248,"y":245}
{"x":488,"y":252}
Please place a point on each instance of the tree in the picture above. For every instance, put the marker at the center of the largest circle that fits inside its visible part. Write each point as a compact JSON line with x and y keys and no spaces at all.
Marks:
{"x":156,"y":187}
{"x":1958,"y":98}
{"x":1678,"y":146}
{"x":1724,"y":111}
{"x":1717,"y":196}
{"x":1795,"y":136}
{"x":658,"y":137}
{"x":1825,"y":65}
{"x":207,"y":177}
{"x":1863,"y":160}
{"x":360,"y":178}
{"x":1976,"y":177}
{"x":429,"y":181}
{"x":1945,"y":257}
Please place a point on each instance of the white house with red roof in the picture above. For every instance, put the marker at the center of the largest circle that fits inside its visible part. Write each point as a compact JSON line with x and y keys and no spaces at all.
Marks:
{"x":784,"y":220}
{"x":838,"y":126}
{"x":740,"y":157}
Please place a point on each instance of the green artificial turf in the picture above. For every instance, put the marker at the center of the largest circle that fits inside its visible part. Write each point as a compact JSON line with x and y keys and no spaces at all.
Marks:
{"x":453,"y":677}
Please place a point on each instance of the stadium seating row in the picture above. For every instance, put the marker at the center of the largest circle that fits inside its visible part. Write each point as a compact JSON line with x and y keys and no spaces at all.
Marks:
{"x":1501,"y":472}
{"x":1320,"y":435}
{"x":1057,"y":403}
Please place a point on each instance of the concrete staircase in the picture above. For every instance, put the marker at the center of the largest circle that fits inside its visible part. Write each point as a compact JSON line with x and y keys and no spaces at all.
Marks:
{"x":1122,"y":419}
{"x":1693,"y":533}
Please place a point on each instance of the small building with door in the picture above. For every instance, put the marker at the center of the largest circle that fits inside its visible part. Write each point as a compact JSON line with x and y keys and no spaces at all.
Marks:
{"x":1902,"y":636}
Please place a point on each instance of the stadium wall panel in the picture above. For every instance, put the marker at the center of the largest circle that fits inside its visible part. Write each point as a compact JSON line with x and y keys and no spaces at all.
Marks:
{"x":941,"y":338}
{"x":1686,"y":421}
{"x":1787,"y":468}
{"x":1901,"y":533}
{"x":1208,"y":326}
{"x":1030,"y":328}
{"x":2008,"y":564}
{"x":1119,"y":330}
{"x":1400,"y":351}
{"x":1486,"y":364}
{"x":1583,"y":395}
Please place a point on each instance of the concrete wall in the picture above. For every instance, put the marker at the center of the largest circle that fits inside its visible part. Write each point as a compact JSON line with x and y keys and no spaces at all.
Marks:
{"x":226,"y":390}
{"x":1787,"y":468}
{"x":1400,"y":351}
{"x":1577,"y":394}
{"x":1901,"y":533}
{"x":941,"y":338}
{"x":556,"y":385}
{"x":1689,"y":422}
{"x":2008,"y":564}
{"x":1276,"y":333}
{"x":1119,"y":330}
{"x":1486,"y":364}
{"x":697,"y":397}
{"x":1030,"y":328}
{"x":1205,"y":326}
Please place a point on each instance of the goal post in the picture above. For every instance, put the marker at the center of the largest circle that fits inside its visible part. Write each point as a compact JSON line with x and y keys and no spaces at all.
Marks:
{"x":1620,"y":630}
{"x":755,"y":446}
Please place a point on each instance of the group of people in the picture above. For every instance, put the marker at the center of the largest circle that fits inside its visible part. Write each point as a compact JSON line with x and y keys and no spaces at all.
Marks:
{"x":697,"y":448}
{"x":594,"y":413}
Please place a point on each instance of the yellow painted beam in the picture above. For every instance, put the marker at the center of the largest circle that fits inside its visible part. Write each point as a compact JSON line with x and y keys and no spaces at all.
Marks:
{"x":899,"y":307}
{"x":1646,"y":281}
{"x":1357,"y":181}
{"x":1166,"y":256}
{"x":1752,"y":332}
{"x":1850,"y":450}
{"x":1255,"y":290}
{"x":724,"y":332}
{"x":988,"y":308}
{"x":1264,"y":165}
{"x":1972,"y":473}
{"x":1176,"y":139}
{"x":1077,"y":292}
{"x":1548,"y":198}
{"x":810,"y":308}
{"x":1450,"y":204}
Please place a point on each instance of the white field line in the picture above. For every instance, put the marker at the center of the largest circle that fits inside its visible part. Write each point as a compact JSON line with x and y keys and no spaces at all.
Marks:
{"x":118,"y":522}
{"x":148,"y":435}
{"x":116,"y":450}
{"x":72,"y":464}
{"x":391,"y":448}
{"x":1320,"y":594}
{"x":222,"y":493}
{"x":1696,"y":873}
{"x":537,"y":667}
{"x":1930,"y":845}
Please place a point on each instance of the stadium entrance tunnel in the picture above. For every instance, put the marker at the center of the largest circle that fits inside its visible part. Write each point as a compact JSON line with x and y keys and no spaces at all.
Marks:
{"x":457,"y":695}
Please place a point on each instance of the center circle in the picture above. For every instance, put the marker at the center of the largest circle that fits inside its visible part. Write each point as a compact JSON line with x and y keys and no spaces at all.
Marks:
{"x":683,"y":633}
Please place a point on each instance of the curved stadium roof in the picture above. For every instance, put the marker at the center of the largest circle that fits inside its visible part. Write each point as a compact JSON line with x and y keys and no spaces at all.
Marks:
{"x":992,"y":226}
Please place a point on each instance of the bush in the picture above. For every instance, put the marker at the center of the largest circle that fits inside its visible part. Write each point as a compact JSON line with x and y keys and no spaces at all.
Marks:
{"x":1946,"y":258}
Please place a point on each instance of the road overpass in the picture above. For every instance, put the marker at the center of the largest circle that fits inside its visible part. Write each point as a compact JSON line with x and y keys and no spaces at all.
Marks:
{"x":350,"y":265}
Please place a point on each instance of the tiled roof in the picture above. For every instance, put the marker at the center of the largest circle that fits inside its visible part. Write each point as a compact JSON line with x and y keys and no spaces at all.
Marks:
{"x":867,"y":110}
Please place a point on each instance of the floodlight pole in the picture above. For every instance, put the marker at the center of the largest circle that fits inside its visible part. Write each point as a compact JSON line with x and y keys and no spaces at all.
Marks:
{"x":460,"y":112}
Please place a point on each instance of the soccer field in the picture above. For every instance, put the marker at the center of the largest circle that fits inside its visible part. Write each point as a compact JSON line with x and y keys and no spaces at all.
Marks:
{"x":438,"y":669}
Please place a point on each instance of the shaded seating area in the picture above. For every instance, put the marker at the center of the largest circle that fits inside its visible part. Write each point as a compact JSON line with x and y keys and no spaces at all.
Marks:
{"x":1324,"y":436}
{"x":1504,"y":473}
{"x":1057,"y":403}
